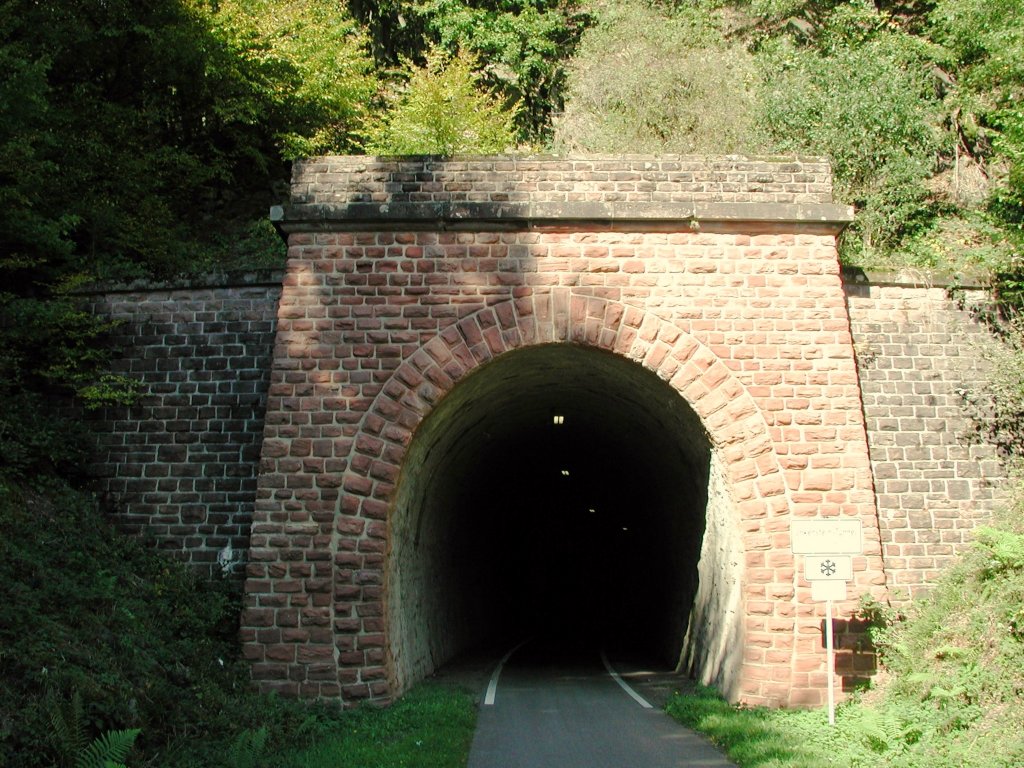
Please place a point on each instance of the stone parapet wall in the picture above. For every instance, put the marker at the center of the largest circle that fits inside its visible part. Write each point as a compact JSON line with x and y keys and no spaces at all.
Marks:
{"x":179,"y":466}
{"x":627,"y":179}
{"x":918,"y":352}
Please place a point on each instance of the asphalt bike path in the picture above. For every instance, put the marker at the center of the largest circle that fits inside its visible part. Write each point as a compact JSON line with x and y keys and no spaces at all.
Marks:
{"x":555,"y":707}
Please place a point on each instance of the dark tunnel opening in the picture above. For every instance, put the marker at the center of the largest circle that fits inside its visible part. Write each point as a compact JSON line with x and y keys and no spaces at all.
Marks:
{"x":558,"y":490}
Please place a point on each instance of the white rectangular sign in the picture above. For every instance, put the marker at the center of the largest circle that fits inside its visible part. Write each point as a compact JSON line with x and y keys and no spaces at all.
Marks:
{"x":828,"y":567}
{"x":826,"y":536}
{"x":828,"y":590}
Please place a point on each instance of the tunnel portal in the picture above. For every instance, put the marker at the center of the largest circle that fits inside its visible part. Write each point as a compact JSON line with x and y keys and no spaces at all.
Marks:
{"x":683,"y":316}
{"x":558,"y":490}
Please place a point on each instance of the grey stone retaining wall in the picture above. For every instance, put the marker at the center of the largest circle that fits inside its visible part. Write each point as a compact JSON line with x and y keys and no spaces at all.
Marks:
{"x":180,"y":465}
{"x":917,"y":352}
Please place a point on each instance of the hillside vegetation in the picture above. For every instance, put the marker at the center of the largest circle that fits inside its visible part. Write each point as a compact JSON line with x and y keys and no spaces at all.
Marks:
{"x":949,"y":695}
{"x":949,"y":690}
{"x":147,"y":139}
{"x":917,"y":103}
{"x":101,"y":637}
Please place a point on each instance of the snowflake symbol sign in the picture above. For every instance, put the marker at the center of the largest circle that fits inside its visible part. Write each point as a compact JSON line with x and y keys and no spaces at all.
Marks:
{"x":828,"y":567}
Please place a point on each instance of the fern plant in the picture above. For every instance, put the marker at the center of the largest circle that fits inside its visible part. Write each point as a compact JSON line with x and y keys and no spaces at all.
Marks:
{"x":246,"y":749}
{"x":68,"y":722}
{"x":108,"y":750}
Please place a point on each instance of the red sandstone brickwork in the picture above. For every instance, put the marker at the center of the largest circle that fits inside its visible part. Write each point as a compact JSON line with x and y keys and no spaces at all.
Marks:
{"x":746,"y":320}
{"x":180,"y":465}
{"x":382,"y":325}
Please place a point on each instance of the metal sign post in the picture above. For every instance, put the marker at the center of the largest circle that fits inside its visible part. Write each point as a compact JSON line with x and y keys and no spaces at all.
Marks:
{"x":830,"y":664}
{"x":827,"y":545}
{"x":829,"y":589}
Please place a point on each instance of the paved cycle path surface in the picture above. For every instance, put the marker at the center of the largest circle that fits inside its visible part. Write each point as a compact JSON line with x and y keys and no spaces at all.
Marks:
{"x":557,"y":707}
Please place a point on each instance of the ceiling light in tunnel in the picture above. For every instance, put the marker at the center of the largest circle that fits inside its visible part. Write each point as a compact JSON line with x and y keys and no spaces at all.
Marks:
{"x":565,"y":473}
{"x":558,"y":419}
{"x":591,"y":510}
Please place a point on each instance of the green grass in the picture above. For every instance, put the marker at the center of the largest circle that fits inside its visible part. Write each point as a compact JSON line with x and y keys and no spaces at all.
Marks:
{"x":901,"y":733}
{"x":753,"y":738}
{"x":953,"y":689}
{"x":430,"y":727}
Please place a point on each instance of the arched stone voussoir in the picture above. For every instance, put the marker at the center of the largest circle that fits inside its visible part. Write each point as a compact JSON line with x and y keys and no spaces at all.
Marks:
{"x":729,"y":414}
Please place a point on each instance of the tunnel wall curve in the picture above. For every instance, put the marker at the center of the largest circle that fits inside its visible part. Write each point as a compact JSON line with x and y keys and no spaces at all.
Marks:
{"x":738,"y":433}
{"x":389,"y":300}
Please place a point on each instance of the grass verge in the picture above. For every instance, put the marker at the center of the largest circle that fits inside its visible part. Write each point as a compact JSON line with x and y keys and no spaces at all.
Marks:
{"x":953,"y":689}
{"x":753,"y":738}
{"x":430,"y":727}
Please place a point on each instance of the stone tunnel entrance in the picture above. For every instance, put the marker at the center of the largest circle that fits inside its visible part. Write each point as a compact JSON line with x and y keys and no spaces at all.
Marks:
{"x":686,"y":318}
{"x":558,"y":490}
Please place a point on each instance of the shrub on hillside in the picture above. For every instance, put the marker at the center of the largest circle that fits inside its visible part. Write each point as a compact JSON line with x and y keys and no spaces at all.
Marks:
{"x":90,"y":615}
{"x":958,"y":659}
{"x":442,"y":111}
{"x":645,"y":81}
{"x":520,"y":46}
{"x":309,"y":59}
{"x":870,"y":106}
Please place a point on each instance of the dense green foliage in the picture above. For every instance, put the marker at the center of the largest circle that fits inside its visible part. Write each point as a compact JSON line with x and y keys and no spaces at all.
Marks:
{"x":916,"y":103}
{"x":49,"y":348}
{"x":100,"y":636}
{"x":91,"y":615}
{"x":937,"y":204}
{"x":442,"y":112}
{"x":149,"y":139}
{"x":521,"y":46}
{"x":958,"y":663}
{"x":143,"y":139}
{"x":865,"y":100}
{"x":149,"y":136}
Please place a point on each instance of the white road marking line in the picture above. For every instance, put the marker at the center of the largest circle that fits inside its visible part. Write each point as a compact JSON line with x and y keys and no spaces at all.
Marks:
{"x":623,"y":684}
{"x":492,"y":686}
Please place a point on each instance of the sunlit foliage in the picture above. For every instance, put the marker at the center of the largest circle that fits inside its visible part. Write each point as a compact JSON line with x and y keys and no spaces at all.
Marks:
{"x":442,"y":111}
{"x":645,"y":82}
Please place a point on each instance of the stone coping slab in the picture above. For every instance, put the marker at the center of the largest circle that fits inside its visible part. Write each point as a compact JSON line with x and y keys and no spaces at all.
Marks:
{"x":448,"y":215}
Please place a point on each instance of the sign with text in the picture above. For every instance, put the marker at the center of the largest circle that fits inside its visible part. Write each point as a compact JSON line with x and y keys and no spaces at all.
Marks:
{"x":828,"y":568}
{"x":826,"y":536}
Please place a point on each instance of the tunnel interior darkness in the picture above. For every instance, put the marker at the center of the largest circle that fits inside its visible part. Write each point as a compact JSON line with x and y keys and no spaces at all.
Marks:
{"x":558,"y":489}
